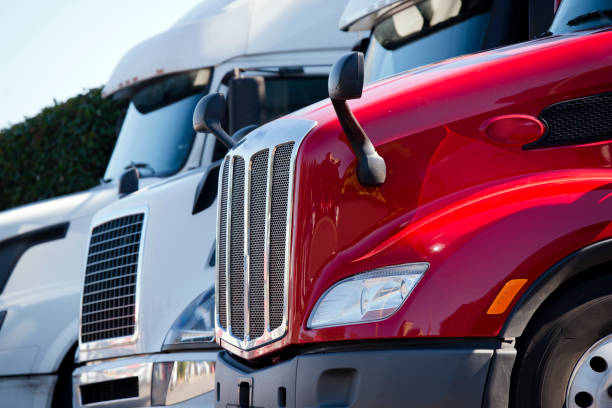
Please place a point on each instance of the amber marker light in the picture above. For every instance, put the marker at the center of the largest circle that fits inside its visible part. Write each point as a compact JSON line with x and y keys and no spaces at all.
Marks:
{"x":505,"y":296}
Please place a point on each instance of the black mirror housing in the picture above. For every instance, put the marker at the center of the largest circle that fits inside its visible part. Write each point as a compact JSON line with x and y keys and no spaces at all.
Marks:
{"x":210,"y":109}
{"x":129,"y":181}
{"x":208,"y":115}
{"x":245,"y":98}
{"x":346,"y":77}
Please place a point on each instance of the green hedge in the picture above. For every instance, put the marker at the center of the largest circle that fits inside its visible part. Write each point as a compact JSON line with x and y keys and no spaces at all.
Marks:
{"x":62,"y":150}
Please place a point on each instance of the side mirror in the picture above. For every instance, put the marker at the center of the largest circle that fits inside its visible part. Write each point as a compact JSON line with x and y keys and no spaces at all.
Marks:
{"x":346,"y":77}
{"x":346,"y":82}
{"x":128,"y":182}
{"x":245,"y":99}
{"x":207,"y":117}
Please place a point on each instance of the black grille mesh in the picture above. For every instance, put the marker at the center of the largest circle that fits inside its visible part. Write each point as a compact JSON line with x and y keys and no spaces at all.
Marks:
{"x":260,"y":184}
{"x":109,"y":390}
{"x":237,"y":250}
{"x":257,"y":229}
{"x":278,"y":232}
{"x":109,"y":289}
{"x":577,"y":121}
{"x":221,"y":258}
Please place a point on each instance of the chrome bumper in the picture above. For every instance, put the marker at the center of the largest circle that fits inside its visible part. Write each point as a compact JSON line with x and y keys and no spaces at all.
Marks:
{"x":177,"y":379}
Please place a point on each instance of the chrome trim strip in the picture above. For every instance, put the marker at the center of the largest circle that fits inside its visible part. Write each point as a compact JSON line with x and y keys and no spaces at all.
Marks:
{"x":271,"y":136}
{"x":228,"y":232}
{"x":267,"y":241}
{"x":219,"y":200}
{"x":125,"y":340}
{"x":288,"y":229}
{"x":246,"y":241}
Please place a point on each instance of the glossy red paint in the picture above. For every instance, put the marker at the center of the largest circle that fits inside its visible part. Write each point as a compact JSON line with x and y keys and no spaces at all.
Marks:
{"x":479,"y":213}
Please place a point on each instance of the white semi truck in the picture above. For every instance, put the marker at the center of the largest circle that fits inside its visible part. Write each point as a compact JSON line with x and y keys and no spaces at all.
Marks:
{"x":146,"y":326}
{"x":42,"y":244}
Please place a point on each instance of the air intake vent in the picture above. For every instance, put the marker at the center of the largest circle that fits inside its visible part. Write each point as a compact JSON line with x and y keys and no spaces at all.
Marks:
{"x":109,"y":390}
{"x":577,"y":121}
{"x":109,"y":291}
{"x":253,"y":238}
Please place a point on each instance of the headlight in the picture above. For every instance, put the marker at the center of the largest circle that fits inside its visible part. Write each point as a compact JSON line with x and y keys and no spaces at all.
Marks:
{"x":195,"y":325}
{"x":366,"y":297}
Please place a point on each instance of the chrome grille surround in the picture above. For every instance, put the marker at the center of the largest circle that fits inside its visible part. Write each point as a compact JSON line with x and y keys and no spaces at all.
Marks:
{"x":271,"y":138}
{"x":123,"y":339}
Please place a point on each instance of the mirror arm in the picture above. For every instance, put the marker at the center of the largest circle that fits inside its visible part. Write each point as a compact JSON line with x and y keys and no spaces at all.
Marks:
{"x":371,"y":168}
{"x":216,"y":129}
{"x":240,"y":133}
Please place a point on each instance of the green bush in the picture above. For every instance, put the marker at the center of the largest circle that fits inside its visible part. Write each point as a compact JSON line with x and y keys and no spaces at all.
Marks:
{"x":62,"y":150}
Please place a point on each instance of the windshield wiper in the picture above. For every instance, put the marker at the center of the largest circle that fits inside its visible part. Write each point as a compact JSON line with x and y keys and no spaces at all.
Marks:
{"x":146,"y":166}
{"x":592,"y":16}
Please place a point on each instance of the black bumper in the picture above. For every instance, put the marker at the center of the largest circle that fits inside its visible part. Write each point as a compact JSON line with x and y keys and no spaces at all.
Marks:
{"x":395,"y":377}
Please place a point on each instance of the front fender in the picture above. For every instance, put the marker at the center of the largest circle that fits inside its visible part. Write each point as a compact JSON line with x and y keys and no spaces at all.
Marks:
{"x":42,"y":303}
{"x":475,"y":241}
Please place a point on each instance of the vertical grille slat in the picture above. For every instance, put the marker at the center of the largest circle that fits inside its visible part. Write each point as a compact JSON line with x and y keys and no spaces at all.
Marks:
{"x":221,"y":258}
{"x":109,"y":291}
{"x":237,"y":249}
{"x":257,"y":224}
{"x":278,"y":232}
{"x":255,"y":198}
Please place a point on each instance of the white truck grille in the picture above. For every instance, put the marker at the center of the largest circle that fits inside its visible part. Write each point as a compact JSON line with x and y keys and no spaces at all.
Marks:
{"x":109,"y":288}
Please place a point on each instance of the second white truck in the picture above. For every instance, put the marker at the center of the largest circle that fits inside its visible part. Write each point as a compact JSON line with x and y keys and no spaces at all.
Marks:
{"x":147,"y":297}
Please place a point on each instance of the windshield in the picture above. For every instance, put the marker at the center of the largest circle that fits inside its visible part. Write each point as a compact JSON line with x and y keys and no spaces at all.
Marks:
{"x":427,"y":32}
{"x":157,"y":132}
{"x":574,"y":15}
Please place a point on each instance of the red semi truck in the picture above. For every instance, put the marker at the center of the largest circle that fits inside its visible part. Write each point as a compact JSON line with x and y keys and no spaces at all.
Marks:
{"x":443,"y":240}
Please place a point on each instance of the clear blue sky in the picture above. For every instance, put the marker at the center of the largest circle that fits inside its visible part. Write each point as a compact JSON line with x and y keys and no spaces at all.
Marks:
{"x":56,"y":48}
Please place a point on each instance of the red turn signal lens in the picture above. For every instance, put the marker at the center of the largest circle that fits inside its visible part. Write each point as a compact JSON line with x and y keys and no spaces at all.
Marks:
{"x":513,"y":130}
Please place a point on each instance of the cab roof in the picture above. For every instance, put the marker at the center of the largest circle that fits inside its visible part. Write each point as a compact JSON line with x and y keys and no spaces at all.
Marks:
{"x":218,"y":30}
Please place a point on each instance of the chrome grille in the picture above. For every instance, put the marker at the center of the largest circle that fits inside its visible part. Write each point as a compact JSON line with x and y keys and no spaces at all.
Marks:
{"x":109,"y":288}
{"x":254,"y":199}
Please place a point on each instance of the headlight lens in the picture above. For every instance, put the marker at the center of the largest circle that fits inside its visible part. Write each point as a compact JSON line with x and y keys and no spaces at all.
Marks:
{"x":195,"y":325}
{"x":366,"y":297}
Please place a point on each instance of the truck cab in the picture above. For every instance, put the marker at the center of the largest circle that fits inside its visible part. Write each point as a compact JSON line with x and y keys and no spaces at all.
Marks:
{"x":440,"y":238}
{"x":42,"y":244}
{"x":147,"y":298}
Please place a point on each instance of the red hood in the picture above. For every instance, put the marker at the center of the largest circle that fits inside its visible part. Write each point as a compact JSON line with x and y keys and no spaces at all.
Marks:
{"x":426,"y":124}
